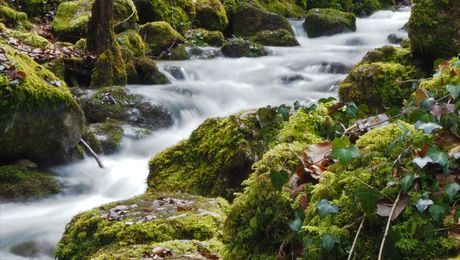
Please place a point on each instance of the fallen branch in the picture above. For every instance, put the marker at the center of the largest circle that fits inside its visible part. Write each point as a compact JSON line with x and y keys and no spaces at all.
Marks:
{"x":91,"y":151}
{"x":356,"y":239}
{"x":388,"y":225}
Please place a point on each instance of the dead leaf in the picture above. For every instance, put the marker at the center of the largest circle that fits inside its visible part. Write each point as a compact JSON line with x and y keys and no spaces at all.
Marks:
{"x":334,"y":108}
{"x":316,"y":153}
{"x":420,"y":95}
{"x":384,"y":209}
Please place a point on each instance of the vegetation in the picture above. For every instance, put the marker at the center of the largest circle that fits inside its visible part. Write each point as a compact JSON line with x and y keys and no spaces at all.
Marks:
{"x":321,"y":22}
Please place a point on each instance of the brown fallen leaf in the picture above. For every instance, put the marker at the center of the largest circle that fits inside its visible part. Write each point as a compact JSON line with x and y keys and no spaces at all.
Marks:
{"x":384,"y":209}
{"x":316,"y":153}
{"x":420,"y":95}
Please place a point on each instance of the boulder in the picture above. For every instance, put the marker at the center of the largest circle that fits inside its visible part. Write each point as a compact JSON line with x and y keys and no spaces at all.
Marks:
{"x":202,"y":38}
{"x":159,"y":36}
{"x":12,"y":18}
{"x":71,"y":20}
{"x":131,"y":41}
{"x":39,"y":118}
{"x":323,"y":22}
{"x":211,"y":15}
{"x":434,"y":29}
{"x":107,"y":136}
{"x":280,"y":37}
{"x":248,"y":21}
{"x":146,"y":72}
{"x":239,"y":47}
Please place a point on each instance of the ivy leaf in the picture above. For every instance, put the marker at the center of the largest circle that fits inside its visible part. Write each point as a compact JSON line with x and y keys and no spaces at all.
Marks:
{"x":283,"y":110}
{"x":423,"y":204}
{"x":427,"y":128}
{"x":296,"y":224}
{"x":437,"y":211}
{"x":326,"y":100}
{"x":343,"y":151}
{"x":428,"y":103}
{"x":457,"y":215}
{"x":329,"y":242}
{"x":421,"y":162}
{"x":279,"y":178}
{"x":438,"y":156}
{"x":406,"y":182}
{"x":326,"y":208}
{"x":454,"y":90}
{"x":368,"y":199}
{"x":351,"y":109}
{"x":452,"y":190}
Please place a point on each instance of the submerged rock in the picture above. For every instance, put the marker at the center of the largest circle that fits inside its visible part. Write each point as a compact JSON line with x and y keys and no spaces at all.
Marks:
{"x":239,"y":47}
{"x":175,"y":71}
{"x":324,"y":22}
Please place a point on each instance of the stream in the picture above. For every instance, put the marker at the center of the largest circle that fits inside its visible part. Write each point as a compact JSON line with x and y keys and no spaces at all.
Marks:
{"x":209,"y":88}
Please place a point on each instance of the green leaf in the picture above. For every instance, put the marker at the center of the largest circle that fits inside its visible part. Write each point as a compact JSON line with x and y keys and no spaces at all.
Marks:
{"x":422,"y":162}
{"x":423,"y":204}
{"x":351,"y":109}
{"x":279,"y":178}
{"x":368,"y":199}
{"x":454,"y":90}
{"x":329,"y":242}
{"x":326,"y":100}
{"x":438,"y":156}
{"x":457,"y":215}
{"x":406,"y":182}
{"x":343,"y":151}
{"x":296,"y":224}
{"x":427,"y":128}
{"x":437,"y":211}
{"x":283,"y":110}
{"x":452,"y":190}
{"x":326,"y":208}
{"x":428,"y":103}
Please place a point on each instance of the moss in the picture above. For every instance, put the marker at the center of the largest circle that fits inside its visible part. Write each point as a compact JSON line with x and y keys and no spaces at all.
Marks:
{"x":12,"y":18}
{"x":109,"y":133}
{"x":19,"y":183}
{"x":159,"y":36}
{"x":288,"y":8}
{"x":81,"y":44}
{"x":146,"y":72}
{"x":90,"y":138}
{"x":202,"y":37}
{"x":322,"y":22}
{"x":211,"y":15}
{"x":249,"y":20}
{"x":56,"y":66}
{"x":38,"y":116}
{"x":449,"y":73}
{"x":239,"y":47}
{"x":359,"y":7}
{"x":433,"y":29}
{"x":71,"y":20}
{"x":217,"y":157}
{"x":31,"y":39}
{"x":109,"y":69}
{"x":177,"y":53}
{"x":279,"y":37}
{"x":132,"y":41}
{"x":149,"y":219}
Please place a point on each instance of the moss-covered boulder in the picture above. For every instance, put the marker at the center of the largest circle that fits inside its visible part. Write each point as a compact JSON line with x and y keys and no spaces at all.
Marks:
{"x":133,"y":228}
{"x":36,"y":8}
{"x":323,"y":22}
{"x":71,"y":20}
{"x":12,"y":18}
{"x":179,"y":14}
{"x":145,"y":71}
{"x":20,"y":183}
{"x":280,"y":37}
{"x":107,"y":135}
{"x":117,"y":103}
{"x":131,"y":41}
{"x":239,"y":47}
{"x":360,"y":8}
{"x":377,"y":79}
{"x":218,"y":155}
{"x":109,"y":69}
{"x":434,"y":29}
{"x":249,"y":20}
{"x":159,"y":37}
{"x":39,"y":118}
{"x":32,"y":40}
{"x":286,"y":8}
{"x":211,"y":15}
{"x":202,"y":37}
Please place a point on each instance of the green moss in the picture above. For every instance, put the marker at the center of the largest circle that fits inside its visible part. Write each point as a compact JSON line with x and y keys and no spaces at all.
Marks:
{"x":321,"y":22}
{"x":132,"y":41}
{"x":12,"y":18}
{"x":202,"y":37}
{"x":146,"y":72}
{"x":279,"y":37}
{"x":109,"y":69}
{"x":90,"y":138}
{"x":288,"y":8}
{"x":433,"y":29}
{"x":239,"y":47}
{"x":109,"y":134}
{"x":217,"y":157}
{"x":31,"y":39}
{"x":81,"y":44}
{"x":159,"y":36}
{"x":56,"y":66}
{"x":19,"y":183}
{"x":211,"y":15}
{"x":199,"y":219}
{"x":37,"y":118}
{"x":359,"y":7}
{"x":446,"y":74}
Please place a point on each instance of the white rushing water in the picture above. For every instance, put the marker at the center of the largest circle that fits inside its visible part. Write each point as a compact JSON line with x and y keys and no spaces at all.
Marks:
{"x":216,"y":87}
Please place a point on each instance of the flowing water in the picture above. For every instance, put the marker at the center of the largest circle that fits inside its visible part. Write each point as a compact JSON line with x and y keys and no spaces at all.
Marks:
{"x":215,"y":87}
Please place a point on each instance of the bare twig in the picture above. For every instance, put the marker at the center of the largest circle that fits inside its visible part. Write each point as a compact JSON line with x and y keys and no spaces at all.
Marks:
{"x":127,"y":19}
{"x":372,"y":187}
{"x":91,"y":151}
{"x":411,"y":80}
{"x":356,"y":239}
{"x":388,"y":225}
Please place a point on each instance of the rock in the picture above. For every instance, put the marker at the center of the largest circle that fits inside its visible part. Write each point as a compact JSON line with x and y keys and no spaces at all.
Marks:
{"x":175,"y":71}
{"x":19,"y":183}
{"x":355,"y":42}
{"x":333,"y":68}
{"x":211,"y":15}
{"x":202,"y":37}
{"x":324,"y":22}
{"x":292,"y":78}
{"x":33,"y":249}
{"x":109,"y":134}
{"x":117,"y":103}
{"x":39,"y":120}
{"x":395,"y":38}
{"x":179,"y":52}
{"x":434,"y":29}
{"x":109,"y":69}
{"x":146,"y":72}
{"x":280,"y":37}
{"x":205,"y":53}
{"x":131,"y":41}
{"x":13,"y":19}
{"x":170,"y":221}
{"x":218,"y":155}
{"x":249,"y":20}
{"x":239,"y":47}
{"x":70,"y":23}
{"x":159,"y":36}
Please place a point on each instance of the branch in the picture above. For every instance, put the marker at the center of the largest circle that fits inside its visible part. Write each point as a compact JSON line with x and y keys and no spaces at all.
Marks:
{"x":356,"y":239}
{"x":91,"y":151}
{"x":388,"y":226}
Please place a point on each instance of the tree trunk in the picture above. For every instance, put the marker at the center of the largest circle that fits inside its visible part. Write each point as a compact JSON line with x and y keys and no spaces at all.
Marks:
{"x":100,"y":31}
